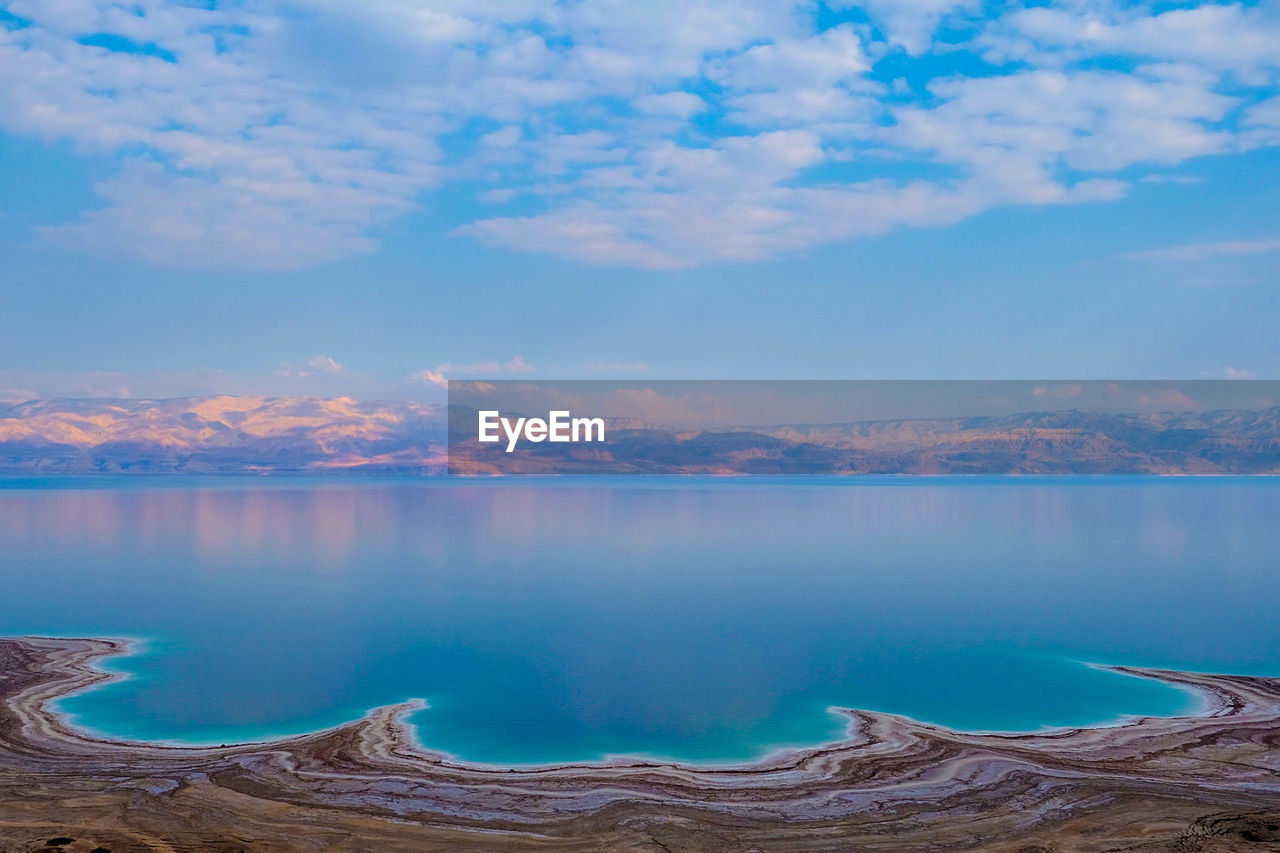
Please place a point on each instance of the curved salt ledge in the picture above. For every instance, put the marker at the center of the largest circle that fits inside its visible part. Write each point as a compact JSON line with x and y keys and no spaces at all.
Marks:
{"x":892,"y":783}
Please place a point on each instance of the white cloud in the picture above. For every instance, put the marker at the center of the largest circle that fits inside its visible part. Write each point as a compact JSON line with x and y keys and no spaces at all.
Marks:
{"x":504,"y":137}
{"x":801,"y":107}
{"x":325,"y":364}
{"x":1185,"y":180}
{"x":1088,"y":120}
{"x":441,"y":375}
{"x":430,"y":377}
{"x":200,"y":221}
{"x":1262,"y":124}
{"x":582,"y":235}
{"x":1192,"y":252}
{"x":826,"y":59}
{"x":321,"y":365}
{"x":909,"y":24}
{"x":798,"y":82}
{"x":285,"y":133}
{"x":679,"y":104}
{"x":1224,"y":37}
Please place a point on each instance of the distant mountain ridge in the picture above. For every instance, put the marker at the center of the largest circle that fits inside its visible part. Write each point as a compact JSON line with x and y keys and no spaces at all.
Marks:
{"x":303,"y":435}
{"x":223,"y":434}
{"x":1216,"y":442}
{"x":1059,"y":442}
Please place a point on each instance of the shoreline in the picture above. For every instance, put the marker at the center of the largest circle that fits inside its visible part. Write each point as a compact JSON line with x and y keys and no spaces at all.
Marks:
{"x":131,"y":646}
{"x":891,"y":784}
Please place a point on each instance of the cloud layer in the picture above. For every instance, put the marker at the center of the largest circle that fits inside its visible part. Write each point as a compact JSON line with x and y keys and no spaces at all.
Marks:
{"x":284,"y":133}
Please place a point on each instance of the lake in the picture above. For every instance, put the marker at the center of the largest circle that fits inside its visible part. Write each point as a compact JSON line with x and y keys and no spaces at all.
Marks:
{"x":708,"y":620}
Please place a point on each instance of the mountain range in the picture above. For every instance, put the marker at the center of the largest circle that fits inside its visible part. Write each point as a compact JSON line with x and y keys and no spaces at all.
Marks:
{"x":1059,"y":442}
{"x":225,"y":434}
{"x":302,"y":435}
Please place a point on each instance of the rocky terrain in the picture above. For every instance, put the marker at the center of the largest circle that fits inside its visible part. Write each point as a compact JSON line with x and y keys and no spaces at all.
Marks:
{"x":1203,"y":784}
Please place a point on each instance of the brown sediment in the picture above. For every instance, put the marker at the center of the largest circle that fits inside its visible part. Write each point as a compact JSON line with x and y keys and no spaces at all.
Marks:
{"x":1209,"y":782}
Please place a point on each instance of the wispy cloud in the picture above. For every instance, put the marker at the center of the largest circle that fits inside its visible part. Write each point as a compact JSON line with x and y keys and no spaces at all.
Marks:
{"x":21,"y":385}
{"x":430,"y":377}
{"x":17,"y":395}
{"x":286,"y":133}
{"x":441,"y":374}
{"x":617,"y":367}
{"x":321,"y":365}
{"x":1184,"y":180}
{"x":322,"y":378}
{"x":1191,"y":252}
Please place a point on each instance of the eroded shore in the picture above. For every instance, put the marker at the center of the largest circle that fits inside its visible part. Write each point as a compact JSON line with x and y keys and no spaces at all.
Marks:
{"x":1205,"y":783}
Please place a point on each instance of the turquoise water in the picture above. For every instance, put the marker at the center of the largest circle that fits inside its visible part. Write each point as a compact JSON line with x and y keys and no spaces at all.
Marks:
{"x":708,"y":620}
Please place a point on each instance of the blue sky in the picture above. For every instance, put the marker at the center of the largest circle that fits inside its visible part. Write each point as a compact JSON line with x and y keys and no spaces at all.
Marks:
{"x":322,"y":197}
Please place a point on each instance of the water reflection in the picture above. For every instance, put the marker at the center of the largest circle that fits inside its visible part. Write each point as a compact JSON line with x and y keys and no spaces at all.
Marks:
{"x":689,"y":618}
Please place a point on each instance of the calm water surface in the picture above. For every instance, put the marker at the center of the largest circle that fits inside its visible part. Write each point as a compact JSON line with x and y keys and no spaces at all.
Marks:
{"x":707,"y":620}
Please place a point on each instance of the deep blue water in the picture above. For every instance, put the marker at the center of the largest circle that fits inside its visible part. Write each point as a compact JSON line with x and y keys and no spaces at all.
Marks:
{"x":701,"y":619}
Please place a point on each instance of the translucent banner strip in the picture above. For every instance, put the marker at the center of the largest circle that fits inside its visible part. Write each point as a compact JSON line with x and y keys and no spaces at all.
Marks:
{"x":856,"y":427}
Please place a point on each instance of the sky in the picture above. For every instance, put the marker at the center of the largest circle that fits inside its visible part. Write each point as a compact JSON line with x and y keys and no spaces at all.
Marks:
{"x":325,"y":197}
